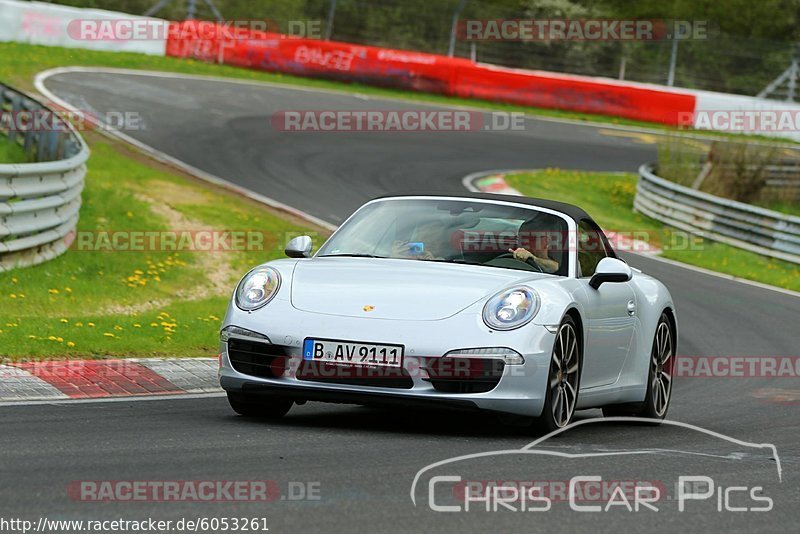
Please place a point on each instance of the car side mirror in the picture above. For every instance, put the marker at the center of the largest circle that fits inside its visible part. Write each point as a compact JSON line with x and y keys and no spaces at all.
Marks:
{"x":610,"y":270}
{"x":299,"y":247}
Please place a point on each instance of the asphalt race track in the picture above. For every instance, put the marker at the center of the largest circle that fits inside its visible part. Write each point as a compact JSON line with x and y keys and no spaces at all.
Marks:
{"x":365,"y":459}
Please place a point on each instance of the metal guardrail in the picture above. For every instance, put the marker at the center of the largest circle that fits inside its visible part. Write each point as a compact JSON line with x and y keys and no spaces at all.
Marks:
{"x":741,"y":225}
{"x":40,"y":200}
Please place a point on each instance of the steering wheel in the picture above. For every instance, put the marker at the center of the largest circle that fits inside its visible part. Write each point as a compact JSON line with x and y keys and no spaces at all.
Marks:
{"x":529,"y":261}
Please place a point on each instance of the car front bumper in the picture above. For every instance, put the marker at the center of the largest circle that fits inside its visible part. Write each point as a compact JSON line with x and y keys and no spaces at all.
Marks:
{"x":520,"y":389}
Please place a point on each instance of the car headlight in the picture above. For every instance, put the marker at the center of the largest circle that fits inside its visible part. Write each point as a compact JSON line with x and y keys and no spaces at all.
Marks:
{"x":511,"y":308}
{"x":257,"y":288}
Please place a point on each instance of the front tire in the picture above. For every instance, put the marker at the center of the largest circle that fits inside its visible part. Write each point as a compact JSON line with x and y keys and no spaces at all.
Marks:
{"x":659,"y":377}
{"x":261,"y":408}
{"x":563,"y":379}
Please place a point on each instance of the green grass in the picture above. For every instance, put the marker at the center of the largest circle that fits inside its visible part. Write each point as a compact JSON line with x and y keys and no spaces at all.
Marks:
{"x":20,"y":62}
{"x":96,"y":303}
{"x":10,"y":152}
{"x":788,"y":207}
{"x":608,"y":197}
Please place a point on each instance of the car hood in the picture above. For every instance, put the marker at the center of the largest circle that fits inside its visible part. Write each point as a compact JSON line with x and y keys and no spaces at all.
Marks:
{"x":395,"y":289}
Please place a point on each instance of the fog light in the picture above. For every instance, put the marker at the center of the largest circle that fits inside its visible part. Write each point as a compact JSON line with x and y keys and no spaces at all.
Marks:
{"x":236,"y":332}
{"x":509,"y":356}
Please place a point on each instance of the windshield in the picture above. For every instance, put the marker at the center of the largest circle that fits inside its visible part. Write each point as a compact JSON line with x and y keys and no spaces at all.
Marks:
{"x":455,"y":231}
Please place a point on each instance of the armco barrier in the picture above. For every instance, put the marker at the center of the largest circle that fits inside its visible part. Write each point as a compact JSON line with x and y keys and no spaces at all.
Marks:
{"x":39,"y":201}
{"x":431,"y":73}
{"x":738,"y":224}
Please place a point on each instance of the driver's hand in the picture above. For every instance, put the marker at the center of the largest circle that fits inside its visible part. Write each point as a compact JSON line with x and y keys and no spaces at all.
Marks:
{"x":521,"y":254}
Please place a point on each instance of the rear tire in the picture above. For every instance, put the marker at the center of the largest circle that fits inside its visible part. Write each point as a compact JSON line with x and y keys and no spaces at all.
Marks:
{"x":659,"y":378}
{"x":259,"y":407}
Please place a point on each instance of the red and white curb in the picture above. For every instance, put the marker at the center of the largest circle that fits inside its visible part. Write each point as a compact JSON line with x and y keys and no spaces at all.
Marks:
{"x":495,"y":182}
{"x":97,"y":379}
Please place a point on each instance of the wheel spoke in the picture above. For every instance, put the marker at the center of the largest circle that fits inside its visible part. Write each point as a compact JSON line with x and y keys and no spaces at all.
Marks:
{"x":573,"y":350}
{"x":657,"y":396}
{"x":553,"y":383}
{"x":556,"y":361}
{"x":657,"y":354}
{"x":557,"y":406}
{"x":666,"y":377}
{"x":566,"y":411}
{"x":667,"y":352}
{"x":571,"y":392}
{"x":654,"y":390}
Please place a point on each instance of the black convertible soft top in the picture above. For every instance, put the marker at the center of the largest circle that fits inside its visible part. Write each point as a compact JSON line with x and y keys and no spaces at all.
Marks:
{"x":570,"y":210}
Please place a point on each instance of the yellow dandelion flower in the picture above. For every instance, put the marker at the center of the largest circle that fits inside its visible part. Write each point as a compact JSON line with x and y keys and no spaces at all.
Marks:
{"x":53,"y":291}
{"x":13,"y":296}
{"x":51,"y":338}
{"x":64,"y":320}
{"x":108,"y":334}
{"x":90,"y":324}
{"x":70,"y":344}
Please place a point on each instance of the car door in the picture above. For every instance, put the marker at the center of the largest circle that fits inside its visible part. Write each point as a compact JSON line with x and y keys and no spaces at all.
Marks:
{"x":610,"y":312}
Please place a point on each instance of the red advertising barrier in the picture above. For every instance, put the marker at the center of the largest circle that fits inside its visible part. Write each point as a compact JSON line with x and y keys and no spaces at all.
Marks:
{"x":572,"y":93}
{"x":312,"y":57}
{"x":431,"y":73}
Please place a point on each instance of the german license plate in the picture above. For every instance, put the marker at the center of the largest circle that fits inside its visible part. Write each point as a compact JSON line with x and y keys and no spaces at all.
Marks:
{"x":352,"y":353}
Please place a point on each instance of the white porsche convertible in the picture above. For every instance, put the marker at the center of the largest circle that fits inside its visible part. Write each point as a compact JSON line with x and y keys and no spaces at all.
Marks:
{"x":471,"y":301}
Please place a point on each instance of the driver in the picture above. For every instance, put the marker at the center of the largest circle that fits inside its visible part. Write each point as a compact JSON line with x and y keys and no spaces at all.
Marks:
{"x":535,"y":234}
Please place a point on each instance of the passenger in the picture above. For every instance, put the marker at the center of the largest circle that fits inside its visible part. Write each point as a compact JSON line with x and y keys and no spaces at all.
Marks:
{"x":430,"y":243}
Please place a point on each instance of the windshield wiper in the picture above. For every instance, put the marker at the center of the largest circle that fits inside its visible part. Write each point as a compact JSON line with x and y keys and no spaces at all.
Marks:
{"x":350,"y":256}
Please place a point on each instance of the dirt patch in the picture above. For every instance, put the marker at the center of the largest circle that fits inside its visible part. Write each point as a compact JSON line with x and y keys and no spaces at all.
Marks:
{"x":214,"y":264}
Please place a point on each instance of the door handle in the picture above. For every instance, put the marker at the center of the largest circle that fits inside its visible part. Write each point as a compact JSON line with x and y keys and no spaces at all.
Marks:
{"x":631,"y":307}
